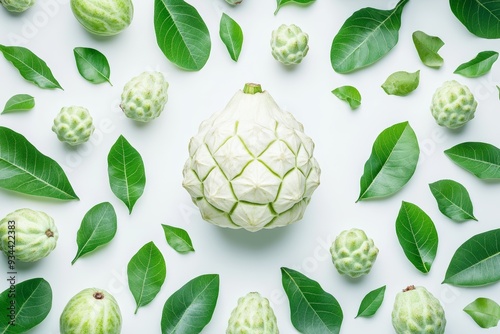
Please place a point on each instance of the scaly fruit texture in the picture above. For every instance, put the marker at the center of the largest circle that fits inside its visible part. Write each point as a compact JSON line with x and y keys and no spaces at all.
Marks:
{"x":144,"y":96}
{"x":73,"y":125}
{"x":251,"y":166}
{"x":417,"y":311}
{"x":353,"y":253}
{"x":252,"y":315}
{"x":17,"y":6}
{"x":34,"y":233}
{"x":453,"y":104}
{"x":91,"y":311}
{"x":289,"y":44}
{"x":103,"y":17}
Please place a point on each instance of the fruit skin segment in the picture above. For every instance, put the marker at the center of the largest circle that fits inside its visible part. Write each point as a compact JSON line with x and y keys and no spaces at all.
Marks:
{"x":253,"y":314}
{"x":453,"y":105}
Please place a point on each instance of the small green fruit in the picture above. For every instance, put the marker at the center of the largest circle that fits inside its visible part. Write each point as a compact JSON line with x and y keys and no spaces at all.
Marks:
{"x":252,"y":315}
{"x":234,"y":2}
{"x":453,"y":105}
{"x":73,"y":125}
{"x":103,"y":17}
{"x":289,"y":45}
{"x":17,"y":6}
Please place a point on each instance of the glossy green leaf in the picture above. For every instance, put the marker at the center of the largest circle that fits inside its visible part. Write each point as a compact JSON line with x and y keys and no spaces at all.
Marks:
{"x":92,"y":65}
{"x":26,"y":170}
{"x":19,"y":102}
{"x":30,"y":66}
{"x":312,"y":310}
{"x":453,"y":200}
{"x":98,"y":227}
{"x":427,"y":48}
{"x":190,"y":309}
{"x":32,"y":304}
{"x":480,"y":17}
{"x":178,"y":239}
{"x":392,"y":162}
{"x":281,"y":3}
{"x":349,"y":94}
{"x":484,"y":311}
{"x":181,"y":34}
{"x":498,"y":88}
{"x":476,"y":261}
{"x":231,"y":35}
{"x":146,"y":273}
{"x":127,"y":176}
{"x":366,"y":37}
{"x":371,"y":302}
{"x":401,"y":83}
{"x":480,"y":159}
{"x":480,"y":65}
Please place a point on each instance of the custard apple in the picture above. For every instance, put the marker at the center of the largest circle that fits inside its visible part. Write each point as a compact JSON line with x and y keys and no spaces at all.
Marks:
{"x":417,"y":311}
{"x":252,"y":315}
{"x":353,"y":253}
{"x":73,"y":125}
{"x":453,"y":104}
{"x":17,"y":6}
{"x":28,"y":235}
{"x":103,"y":17}
{"x":251,"y":166}
{"x":234,"y":2}
{"x":289,"y":44}
{"x":144,"y":96}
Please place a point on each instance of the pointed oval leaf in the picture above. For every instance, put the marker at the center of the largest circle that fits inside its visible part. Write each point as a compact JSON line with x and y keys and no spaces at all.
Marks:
{"x":366,"y":37}
{"x":19,"y":102}
{"x":181,"y":34}
{"x":281,"y":3}
{"x":392,"y":162}
{"x":484,"y":311}
{"x":92,"y":65}
{"x":26,"y":170}
{"x":33,"y":301}
{"x":480,"y":159}
{"x":190,"y":309}
{"x":231,"y":35}
{"x":127,"y":176}
{"x":178,"y":239}
{"x":349,"y":94}
{"x":453,"y":200}
{"x":98,"y":227}
{"x":417,"y":236}
{"x":371,"y":302}
{"x":401,"y":83}
{"x":313,"y":310}
{"x":427,"y":48}
{"x":480,"y":65}
{"x":476,"y":261}
{"x":30,"y":66}
{"x":480,"y":17}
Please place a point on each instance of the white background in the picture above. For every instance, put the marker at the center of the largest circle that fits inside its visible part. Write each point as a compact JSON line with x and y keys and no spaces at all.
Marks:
{"x":251,"y":261}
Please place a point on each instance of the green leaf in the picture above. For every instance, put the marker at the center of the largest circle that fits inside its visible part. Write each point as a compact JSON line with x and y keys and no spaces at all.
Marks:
{"x":281,"y":3}
{"x":231,"y":35}
{"x":401,"y":83}
{"x":365,"y":37}
{"x":392,"y":162}
{"x":480,"y":17}
{"x":484,"y":311}
{"x":33,"y":301}
{"x":30,"y":66}
{"x":349,"y":94}
{"x":127,"y":176}
{"x":476,"y":261}
{"x":480,"y":159}
{"x":371,"y":302}
{"x":480,"y":65}
{"x":181,"y":34}
{"x":417,"y":236}
{"x":26,"y":170}
{"x":313,"y":311}
{"x":427,"y":48}
{"x":19,"y":102}
{"x":146,"y":273}
{"x":453,"y":200}
{"x":92,"y":65}
{"x":178,"y":239}
{"x":190,"y":309}
{"x":98,"y":227}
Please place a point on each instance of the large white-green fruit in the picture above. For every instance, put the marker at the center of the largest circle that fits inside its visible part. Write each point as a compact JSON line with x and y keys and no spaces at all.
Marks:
{"x":453,"y":104}
{"x":289,"y":44}
{"x":103,"y":17}
{"x":91,"y":311}
{"x":251,"y":166}
{"x":28,"y":235}
{"x":417,"y":311}
{"x":17,"y":6}
{"x":73,"y":125}
{"x":252,"y":315}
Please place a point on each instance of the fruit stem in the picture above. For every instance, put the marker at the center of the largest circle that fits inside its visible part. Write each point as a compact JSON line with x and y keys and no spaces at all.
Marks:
{"x":49,"y":233}
{"x":252,"y":88}
{"x":409,"y":288}
{"x":98,"y":295}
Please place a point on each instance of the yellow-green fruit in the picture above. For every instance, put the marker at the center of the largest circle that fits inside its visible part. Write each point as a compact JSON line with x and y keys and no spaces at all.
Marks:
{"x":453,"y":105}
{"x":73,"y":125}
{"x":17,"y":6}
{"x":289,"y":44}
{"x":252,"y":315}
{"x":28,"y":235}
{"x":103,"y":17}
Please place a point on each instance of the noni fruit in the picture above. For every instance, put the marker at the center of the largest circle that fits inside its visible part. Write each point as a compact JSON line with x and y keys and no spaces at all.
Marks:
{"x":254,"y":315}
{"x":17,"y":6}
{"x":453,"y":104}
{"x":73,"y":125}
{"x":103,"y":17}
{"x":417,"y":311}
{"x":144,"y":96}
{"x":353,"y":253}
{"x":28,"y":235}
{"x":289,"y":44}
{"x":251,"y":166}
